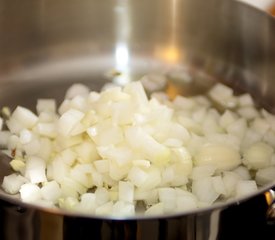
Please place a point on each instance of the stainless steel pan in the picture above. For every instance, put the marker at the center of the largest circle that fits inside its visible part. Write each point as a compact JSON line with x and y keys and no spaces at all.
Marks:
{"x":46,"y":45}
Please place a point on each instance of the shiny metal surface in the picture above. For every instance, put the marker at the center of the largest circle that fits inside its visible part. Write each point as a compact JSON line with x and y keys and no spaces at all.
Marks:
{"x":47,"y":45}
{"x":246,"y":221}
{"x":270,"y":199}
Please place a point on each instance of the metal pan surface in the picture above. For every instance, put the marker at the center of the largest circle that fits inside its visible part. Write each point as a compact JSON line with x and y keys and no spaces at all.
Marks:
{"x":45,"y":46}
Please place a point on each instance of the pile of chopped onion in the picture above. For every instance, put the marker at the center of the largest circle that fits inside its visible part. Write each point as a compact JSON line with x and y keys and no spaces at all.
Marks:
{"x":118,"y":152}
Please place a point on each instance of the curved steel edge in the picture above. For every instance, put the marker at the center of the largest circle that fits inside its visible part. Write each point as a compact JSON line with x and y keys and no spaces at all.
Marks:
{"x":217,"y":36}
{"x":239,"y":221}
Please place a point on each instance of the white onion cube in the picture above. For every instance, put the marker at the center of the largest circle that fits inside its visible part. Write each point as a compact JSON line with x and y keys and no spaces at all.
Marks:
{"x":245,"y":187}
{"x":204,"y":190}
{"x":25,"y":117}
{"x":36,"y":170}
{"x":30,"y":192}
{"x":156,"y":209}
{"x":13,"y":182}
{"x":46,"y":105}
{"x":126,"y":191}
{"x":51,"y":191}
{"x":122,"y":208}
{"x":258,"y":155}
{"x":68,"y":121}
{"x":265,"y":175}
{"x":101,"y":196}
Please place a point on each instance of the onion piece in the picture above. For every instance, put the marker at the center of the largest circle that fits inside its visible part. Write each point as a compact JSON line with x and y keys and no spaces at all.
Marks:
{"x":221,"y":156}
{"x":13,"y":182}
{"x":258,"y":155}
{"x":68,"y":121}
{"x":46,"y":105}
{"x":51,"y":191}
{"x":30,"y":192}
{"x":265,"y":175}
{"x":204,"y":190}
{"x":109,"y":152}
{"x":245,"y":187}
{"x":35,"y":170}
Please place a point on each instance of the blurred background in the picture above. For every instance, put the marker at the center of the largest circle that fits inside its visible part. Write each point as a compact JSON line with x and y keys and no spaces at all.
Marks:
{"x":266,"y":5}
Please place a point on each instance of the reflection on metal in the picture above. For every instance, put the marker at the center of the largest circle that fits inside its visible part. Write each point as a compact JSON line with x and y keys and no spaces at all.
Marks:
{"x":170,"y":51}
{"x":51,"y":226}
{"x":122,"y":58}
{"x":270,"y":200}
{"x":270,"y":196}
{"x":214,"y":224}
{"x":221,"y":37}
{"x":122,"y":21}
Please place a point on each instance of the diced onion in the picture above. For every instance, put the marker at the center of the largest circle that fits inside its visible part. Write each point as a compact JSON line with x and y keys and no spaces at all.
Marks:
{"x":221,"y":156}
{"x":119,"y":152}
{"x":13,"y":182}
{"x":30,"y":192}
{"x":258,"y":155}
